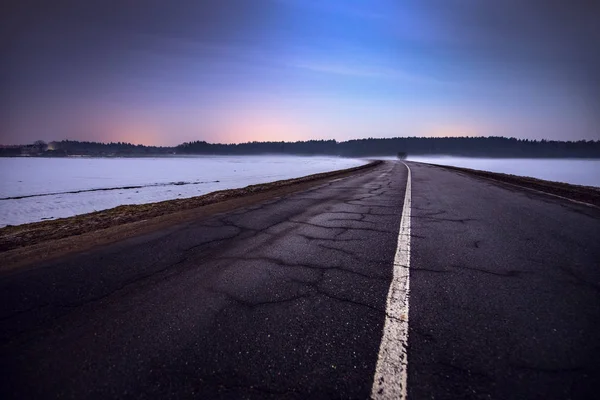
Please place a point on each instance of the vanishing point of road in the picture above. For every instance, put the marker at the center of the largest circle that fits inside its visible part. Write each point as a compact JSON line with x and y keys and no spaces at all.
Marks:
{"x":402,"y":280}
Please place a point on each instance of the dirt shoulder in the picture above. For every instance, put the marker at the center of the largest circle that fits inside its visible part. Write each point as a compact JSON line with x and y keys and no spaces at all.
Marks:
{"x":586,"y":194}
{"x":38,"y":241}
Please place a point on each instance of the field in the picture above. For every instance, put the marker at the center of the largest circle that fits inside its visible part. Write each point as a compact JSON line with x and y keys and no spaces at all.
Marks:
{"x":36,"y":189}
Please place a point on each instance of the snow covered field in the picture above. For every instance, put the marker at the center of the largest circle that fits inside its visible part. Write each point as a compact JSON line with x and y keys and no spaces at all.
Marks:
{"x":576,"y":172}
{"x":34,"y":189}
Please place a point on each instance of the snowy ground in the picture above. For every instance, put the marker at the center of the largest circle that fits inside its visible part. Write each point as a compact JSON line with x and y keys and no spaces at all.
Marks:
{"x":574,"y":171}
{"x":34,"y":189}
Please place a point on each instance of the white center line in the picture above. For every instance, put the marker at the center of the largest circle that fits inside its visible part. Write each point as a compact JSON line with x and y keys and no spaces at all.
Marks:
{"x":390,"y":375}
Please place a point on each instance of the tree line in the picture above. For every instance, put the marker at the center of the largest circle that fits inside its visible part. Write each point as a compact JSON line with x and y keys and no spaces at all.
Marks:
{"x":411,"y":146}
{"x":500,"y":147}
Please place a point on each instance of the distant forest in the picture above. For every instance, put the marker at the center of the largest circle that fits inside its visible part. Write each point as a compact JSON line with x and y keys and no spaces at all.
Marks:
{"x":412,"y":146}
{"x":498,"y":147}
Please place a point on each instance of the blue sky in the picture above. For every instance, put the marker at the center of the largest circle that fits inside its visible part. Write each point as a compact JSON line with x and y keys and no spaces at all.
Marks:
{"x":239,"y":70}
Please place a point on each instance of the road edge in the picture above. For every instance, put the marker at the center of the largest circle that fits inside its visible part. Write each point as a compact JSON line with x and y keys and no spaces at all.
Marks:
{"x":584,"y":195}
{"x":217,"y":202}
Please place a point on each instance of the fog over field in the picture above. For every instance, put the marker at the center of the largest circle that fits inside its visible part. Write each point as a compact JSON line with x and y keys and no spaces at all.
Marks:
{"x":575,"y":171}
{"x":35,"y":189}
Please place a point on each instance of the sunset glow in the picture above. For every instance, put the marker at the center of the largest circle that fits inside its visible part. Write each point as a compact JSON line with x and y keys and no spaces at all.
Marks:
{"x":298,"y":70}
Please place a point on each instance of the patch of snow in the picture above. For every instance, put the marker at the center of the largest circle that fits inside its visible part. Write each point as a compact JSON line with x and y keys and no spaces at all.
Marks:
{"x":35,"y":189}
{"x":584,"y":172}
{"x":574,"y":171}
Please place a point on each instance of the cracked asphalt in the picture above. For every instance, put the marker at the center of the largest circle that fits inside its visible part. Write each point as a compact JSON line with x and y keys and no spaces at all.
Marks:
{"x":505,"y":292}
{"x":287,"y":299}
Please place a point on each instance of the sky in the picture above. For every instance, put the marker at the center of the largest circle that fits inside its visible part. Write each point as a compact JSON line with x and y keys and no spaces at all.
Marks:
{"x":165,"y":72}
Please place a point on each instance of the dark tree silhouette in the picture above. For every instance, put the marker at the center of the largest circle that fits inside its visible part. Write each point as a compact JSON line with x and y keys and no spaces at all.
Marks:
{"x":463,"y":146}
{"x":491,"y":147}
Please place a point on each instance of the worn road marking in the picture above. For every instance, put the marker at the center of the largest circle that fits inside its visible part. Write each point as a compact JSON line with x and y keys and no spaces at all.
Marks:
{"x":390,"y":375}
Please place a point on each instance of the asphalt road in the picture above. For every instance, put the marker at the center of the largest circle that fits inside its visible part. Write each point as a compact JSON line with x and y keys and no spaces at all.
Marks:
{"x":287,"y":299}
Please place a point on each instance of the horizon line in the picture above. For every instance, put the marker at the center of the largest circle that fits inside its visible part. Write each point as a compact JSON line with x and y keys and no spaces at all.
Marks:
{"x":308,"y":140}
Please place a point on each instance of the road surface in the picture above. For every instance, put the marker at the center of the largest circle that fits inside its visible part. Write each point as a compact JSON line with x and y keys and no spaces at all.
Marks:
{"x":289,"y":298}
